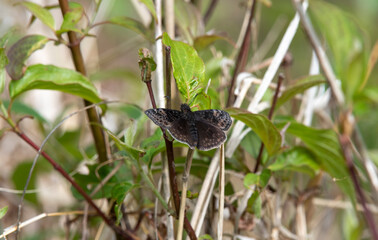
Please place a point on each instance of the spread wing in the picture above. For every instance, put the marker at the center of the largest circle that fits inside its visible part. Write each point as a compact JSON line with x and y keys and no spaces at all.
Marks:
{"x":209,"y":136}
{"x":218,"y":118}
{"x":163,"y":117}
{"x":180,"y":130}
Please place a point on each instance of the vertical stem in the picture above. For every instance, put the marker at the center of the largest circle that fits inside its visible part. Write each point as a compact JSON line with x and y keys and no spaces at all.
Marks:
{"x":185,"y":178}
{"x":345,"y":146}
{"x":77,"y":57}
{"x":221,"y":192}
{"x":242,"y":56}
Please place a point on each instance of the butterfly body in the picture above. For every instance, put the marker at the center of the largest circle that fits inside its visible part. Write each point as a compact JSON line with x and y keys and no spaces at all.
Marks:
{"x":202,"y":129}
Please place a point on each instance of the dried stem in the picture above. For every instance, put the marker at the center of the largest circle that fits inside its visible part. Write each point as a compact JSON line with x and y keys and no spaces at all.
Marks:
{"x":221,"y":191}
{"x":185,"y":177}
{"x":323,"y":60}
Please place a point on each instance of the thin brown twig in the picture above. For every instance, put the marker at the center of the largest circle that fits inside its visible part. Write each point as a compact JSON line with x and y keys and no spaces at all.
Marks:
{"x":209,"y":11}
{"x":345,"y":146}
{"x":58,"y":168}
{"x":242,"y":56}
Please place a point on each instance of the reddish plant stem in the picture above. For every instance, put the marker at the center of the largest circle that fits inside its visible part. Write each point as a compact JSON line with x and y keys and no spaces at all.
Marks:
{"x":210,"y":11}
{"x":171,"y":161}
{"x":57,"y":167}
{"x":168,"y":74}
{"x":242,"y":56}
{"x":270,"y":115}
{"x":345,"y":146}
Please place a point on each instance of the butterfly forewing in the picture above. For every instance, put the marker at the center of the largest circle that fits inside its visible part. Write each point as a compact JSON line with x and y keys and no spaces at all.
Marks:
{"x":209,"y":136}
{"x":163,"y":117}
{"x":180,"y":131}
{"x":218,"y":118}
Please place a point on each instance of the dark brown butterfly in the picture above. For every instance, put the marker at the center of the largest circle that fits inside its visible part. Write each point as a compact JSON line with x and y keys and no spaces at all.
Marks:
{"x":202,"y":129}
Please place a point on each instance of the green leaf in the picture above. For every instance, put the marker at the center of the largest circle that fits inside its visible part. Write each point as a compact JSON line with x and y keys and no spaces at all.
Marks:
{"x":254,"y":204}
{"x":119,"y":191}
{"x":325,"y":146}
{"x":205,"y":237}
{"x":262,"y":126}
{"x":3,"y":211}
{"x":300,"y":87}
{"x":188,"y":68}
{"x":3,"y":63}
{"x":132,"y":152}
{"x":151,"y":7}
{"x":19,"y":177}
{"x":21,"y":51}
{"x":346,"y":42}
{"x":260,"y":180}
{"x":131,"y":111}
{"x":54,"y":78}
{"x":41,"y":13}
{"x":202,"y":101}
{"x":153,"y":145}
{"x":97,"y":173}
{"x":297,"y":159}
{"x":250,"y":180}
{"x":202,"y":42}
{"x":133,"y":25}
{"x":71,"y":18}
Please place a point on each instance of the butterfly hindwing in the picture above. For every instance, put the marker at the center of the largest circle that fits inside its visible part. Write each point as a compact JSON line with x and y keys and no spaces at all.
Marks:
{"x":218,"y":118}
{"x":209,"y":136}
{"x":180,"y":130}
{"x":163,"y":117}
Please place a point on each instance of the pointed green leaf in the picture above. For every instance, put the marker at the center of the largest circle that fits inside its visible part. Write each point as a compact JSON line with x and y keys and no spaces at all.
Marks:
{"x":71,"y":18}
{"x":260,"y":180}
{"x":300,"y":87}
{"x":324,"y":144}
{"x":21,"y":51}
{"x":250,"y":180}
{"x":202,"y":101}
{"x":151,"y":7}
{"x":188,"y":68}
{"x":347,"y":44}
{"x":54,"y":78}
{"x":133,"y":25}
{"x":41,"y":13}
{"x":297,"y":159}
{"x":202,"y":42}
{"x":254,"y":204}
{"x":3,"y":211}
{"x":262,"y":126}
{"x":131,"y":151}
{"x":119,"y":191}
